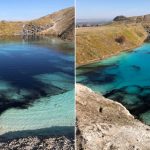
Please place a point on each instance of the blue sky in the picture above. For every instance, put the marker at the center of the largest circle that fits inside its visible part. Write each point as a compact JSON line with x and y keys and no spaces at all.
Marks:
{"x":108,"y":9}
{"x":30,"y":9}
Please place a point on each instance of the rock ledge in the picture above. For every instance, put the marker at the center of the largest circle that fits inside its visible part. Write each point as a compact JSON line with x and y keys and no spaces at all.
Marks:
{"x":103,"y":124}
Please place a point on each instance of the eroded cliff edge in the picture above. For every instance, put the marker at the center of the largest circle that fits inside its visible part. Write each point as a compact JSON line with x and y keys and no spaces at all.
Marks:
{"x":103,"y":124}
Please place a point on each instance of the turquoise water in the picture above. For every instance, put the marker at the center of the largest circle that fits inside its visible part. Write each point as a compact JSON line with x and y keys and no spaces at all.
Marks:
{"x":124,"y":78}
{"x":36,"y":86}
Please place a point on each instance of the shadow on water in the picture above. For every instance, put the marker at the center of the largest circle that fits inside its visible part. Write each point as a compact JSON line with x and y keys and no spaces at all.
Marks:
{"x":136,"y":101}
{"x":20,"y":63}
{"x":56,"y":131}
{"x":27,"y":101}
{"x":19,"y":72}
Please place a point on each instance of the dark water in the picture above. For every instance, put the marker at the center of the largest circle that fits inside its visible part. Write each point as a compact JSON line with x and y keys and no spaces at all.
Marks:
{"x":36,"y":84}
{"x":124,"y":78}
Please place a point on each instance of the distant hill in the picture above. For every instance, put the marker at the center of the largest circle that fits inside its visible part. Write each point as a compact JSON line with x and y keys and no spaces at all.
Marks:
{"x":136,"y":19}
{"x":60,"y":23}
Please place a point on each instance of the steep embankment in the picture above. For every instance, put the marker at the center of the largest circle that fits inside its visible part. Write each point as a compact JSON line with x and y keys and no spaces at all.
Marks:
{"x":143,"y":20}
{"x":103,"y":124}
{"x":59,"y":24}
{"x":96,"y":43}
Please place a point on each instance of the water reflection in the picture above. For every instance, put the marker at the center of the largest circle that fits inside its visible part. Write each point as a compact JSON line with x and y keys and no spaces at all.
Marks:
{"x":47,"y":41}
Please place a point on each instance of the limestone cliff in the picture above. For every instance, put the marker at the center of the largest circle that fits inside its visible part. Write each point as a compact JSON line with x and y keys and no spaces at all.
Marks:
{"x":103,"y":124}
{"x":59,"y":24}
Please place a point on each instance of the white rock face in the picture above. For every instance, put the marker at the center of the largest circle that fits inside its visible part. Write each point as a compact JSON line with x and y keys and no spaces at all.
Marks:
{"x":103,"y":124}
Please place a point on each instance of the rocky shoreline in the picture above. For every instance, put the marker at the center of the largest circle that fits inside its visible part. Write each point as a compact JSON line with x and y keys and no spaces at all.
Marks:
{"x":38,"y":143}
{"x":103,"y":124}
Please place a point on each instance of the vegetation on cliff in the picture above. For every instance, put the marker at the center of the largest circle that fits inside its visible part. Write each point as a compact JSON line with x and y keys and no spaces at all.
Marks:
{"x":59,"y":24}
{"x":96,"y":43}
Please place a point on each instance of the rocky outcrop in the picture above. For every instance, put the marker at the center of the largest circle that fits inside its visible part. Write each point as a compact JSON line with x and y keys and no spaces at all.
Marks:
{"x":103,"y":124}
{"x":35,"y":143}
{"x":32,"y":29}
{"x":59,"y":24}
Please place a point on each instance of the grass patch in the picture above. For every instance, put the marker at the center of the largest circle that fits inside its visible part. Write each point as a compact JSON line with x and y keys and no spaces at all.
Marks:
{"x":95,"y":43}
